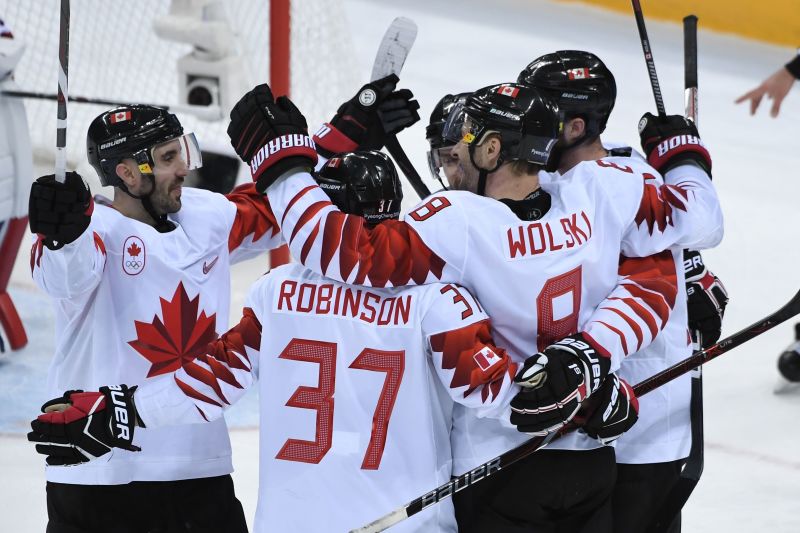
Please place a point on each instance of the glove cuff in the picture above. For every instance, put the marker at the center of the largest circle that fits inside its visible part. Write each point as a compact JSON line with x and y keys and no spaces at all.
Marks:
{"x":674,"y":150}
{"x":274,"y":158}
{"x":331,"y":141}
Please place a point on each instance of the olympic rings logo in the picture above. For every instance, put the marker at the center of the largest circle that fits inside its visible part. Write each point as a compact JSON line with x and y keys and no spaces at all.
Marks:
{"x":132,"y":263}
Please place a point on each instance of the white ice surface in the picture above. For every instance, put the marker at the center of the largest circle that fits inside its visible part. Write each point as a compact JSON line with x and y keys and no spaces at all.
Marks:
{"x":752,"y":473}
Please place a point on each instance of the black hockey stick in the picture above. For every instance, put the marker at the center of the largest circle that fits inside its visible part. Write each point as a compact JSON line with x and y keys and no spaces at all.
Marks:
{"x":411,"y":174}
{"x":392,"y":53}
{"x":63,"y":78}
{"x":677,"y":497}
{"x":792,"y":308}
{"x":200,"y":111}
{"x":648,"y":57}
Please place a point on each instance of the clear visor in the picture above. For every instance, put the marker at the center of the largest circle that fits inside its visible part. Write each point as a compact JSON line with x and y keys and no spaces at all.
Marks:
{"x":442,"y":164}
{"x":179,"y":153}
{"x":461,"y":127}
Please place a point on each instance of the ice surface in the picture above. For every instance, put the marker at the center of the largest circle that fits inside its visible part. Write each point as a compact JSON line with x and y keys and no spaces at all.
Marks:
{"x":752,"y":473}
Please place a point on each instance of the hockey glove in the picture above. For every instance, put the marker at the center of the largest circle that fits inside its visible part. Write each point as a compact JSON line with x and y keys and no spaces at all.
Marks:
{"x":706,"y":299}
{"x":670,"y":141}
{"x":60,"y":211}
{"x":81,"y":426}
{"x":554,"y":384}
{"x":616,"y":413}
{"x":271,"y":135}
{"x":366,"y":120}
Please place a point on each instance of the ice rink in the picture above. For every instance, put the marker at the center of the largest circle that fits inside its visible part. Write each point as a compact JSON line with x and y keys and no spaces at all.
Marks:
{"x":751,"y":480}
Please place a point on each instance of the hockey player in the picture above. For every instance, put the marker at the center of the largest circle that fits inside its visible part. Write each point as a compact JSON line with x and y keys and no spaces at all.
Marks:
{"x":442,"y":165}
{"x":378,"y":370}
{"x":16,"y":172}
{"x":651,"y":455}
{"x":140,"y":287}
{"x":537,"y":260}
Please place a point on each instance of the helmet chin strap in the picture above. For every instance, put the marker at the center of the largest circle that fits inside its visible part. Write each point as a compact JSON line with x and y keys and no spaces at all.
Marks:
{"x":161,"y":223}
{"x":482,"y":172}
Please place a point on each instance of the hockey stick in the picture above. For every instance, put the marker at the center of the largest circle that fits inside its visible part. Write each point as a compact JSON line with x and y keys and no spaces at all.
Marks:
{"x":677,"y":497}
{"x":200,"y":111}
{"x":648,"y":57}
{"x":392,"y":54}
{"x":510,"y":457}
{"x":63,"y":78}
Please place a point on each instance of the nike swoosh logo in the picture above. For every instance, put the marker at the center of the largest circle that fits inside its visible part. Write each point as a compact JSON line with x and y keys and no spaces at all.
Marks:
{"x":207,"y":267}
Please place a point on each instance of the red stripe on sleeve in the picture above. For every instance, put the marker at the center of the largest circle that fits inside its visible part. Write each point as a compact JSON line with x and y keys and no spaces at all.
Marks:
{"x":294,"y":201}
{"x":253,"y":215}
{"x":192,"y":393}
{"x":632,"y":324}
{"x":618,"y":332}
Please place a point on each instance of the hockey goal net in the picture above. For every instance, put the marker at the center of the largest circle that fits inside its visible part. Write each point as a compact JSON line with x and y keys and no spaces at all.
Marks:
{"x":115,"y":54}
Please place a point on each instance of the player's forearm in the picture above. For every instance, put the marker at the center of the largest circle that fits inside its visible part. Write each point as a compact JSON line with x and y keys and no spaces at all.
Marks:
{"x":254,"y":229}
{"x":703,"y":218}
{"x":72,"y":270}
{"x":202,"y":389}
{"x":638,"y":308}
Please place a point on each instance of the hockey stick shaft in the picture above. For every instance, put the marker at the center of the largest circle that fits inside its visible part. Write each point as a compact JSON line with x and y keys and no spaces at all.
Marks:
{"x":200,"y":111}
{"x":690,"y":67}
{"x":792,"y":308}
{"x":63,"y":78}
{"x":392,"y":53}
{"x":648,"y":57}
{"x":679,"y":494}
{"x":411,"y":174}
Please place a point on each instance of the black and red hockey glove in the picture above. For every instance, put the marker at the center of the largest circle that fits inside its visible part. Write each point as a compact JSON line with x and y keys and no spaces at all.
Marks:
{"x":706,"y":300}
{"x":60,"y":212}
{"x":616,"y":412}
{"x":366,"y":120}
{"x":554,"y":384}
{"x":271,"y":135}
{"x":670,"y":141}
{"x":81,"y":426}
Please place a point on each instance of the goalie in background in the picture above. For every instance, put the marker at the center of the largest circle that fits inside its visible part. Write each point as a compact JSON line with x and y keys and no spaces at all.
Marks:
{"x":16,"y":171}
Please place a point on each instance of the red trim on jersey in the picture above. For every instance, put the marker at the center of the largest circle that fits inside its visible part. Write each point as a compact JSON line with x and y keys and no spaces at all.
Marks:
{"x":208,"y":377}
{"x":295,"y":200}
{"x":458,"y":348}
{"x":36,"y":251}
{"x":643,"y":313}
{"x":657,"y":204}
{"x":309,"y":243}
{"x":622,"y":339}
{"x":637,"y":330}
{"x":189,"y":391}
{"x":656,"y":274}
{"x":331,"y":239}
{"x":596,"y":345}
{"x":253,"y":215}
{"x":99,"y":244}
{"x":307,"y":215}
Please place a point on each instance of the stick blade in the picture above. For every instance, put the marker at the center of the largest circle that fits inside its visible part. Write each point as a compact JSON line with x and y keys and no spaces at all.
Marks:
{"x":394,"y":48}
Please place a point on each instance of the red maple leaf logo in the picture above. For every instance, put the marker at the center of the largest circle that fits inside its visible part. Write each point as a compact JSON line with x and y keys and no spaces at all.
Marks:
{"x":180,"y":337}
{"x":134,"y":250}
{"x":657,"y":205}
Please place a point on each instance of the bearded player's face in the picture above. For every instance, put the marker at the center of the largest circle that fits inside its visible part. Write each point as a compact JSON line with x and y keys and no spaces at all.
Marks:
{"x":169,"y":172}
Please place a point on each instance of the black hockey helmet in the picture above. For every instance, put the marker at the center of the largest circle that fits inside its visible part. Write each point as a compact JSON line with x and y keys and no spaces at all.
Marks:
{"x":131,"y":132}
{"x":437,"y":160}
{"x":363,"y":183}
{"x":579,"y":81}
{"x":438,"y":117}
{"x":789,"y":361}
{"x":528,"y":122}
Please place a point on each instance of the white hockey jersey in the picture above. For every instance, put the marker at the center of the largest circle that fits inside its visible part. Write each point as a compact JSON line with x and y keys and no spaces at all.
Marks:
{"x":356,"y":391}
{"x":132,"y":305}
{"x":538,"y":280}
